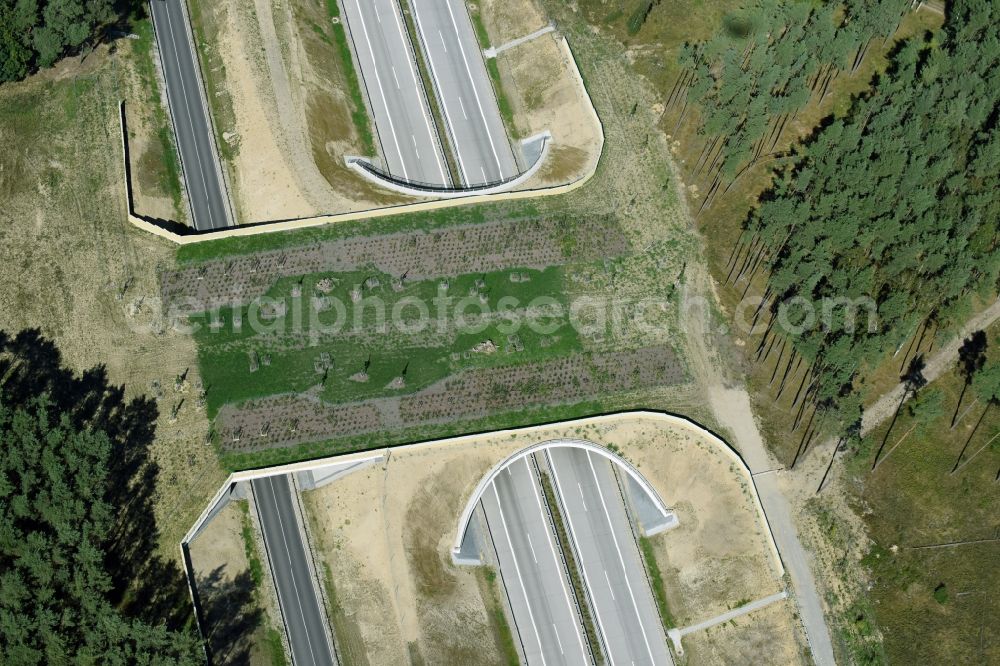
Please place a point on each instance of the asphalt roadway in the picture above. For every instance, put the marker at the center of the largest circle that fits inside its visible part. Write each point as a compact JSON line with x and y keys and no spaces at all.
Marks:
{"x":464,"y":91}
{"x":199,"y":162}
{"x":410,"y":145}
{"x":308,"y":635}
{"x":608,"y":557}
{"x":535,"y":579}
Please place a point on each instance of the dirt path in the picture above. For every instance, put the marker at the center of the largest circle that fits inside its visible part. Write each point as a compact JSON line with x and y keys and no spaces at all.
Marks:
{"x":733,"y":614}
{"x":730,"y":404}
{"x":290,"y":116}
{"x":731,"y":407}
{"x":936,"y":365}
{"x":882,"y":409}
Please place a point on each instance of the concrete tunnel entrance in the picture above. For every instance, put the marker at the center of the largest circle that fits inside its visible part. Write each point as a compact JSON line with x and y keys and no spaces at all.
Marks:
{"x":652,"y":515}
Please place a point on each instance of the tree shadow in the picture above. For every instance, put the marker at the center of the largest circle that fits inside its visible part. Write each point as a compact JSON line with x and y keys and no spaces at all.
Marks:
{"x":913,"y":380}
{"x":230,"y":614}
{"x":144,"y":584}
{"x":971,"y":358}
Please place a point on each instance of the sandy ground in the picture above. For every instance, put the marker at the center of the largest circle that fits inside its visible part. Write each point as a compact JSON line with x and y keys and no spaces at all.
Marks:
{"x":291,"y":136}
{"x":230,"y":605}
{"x":507,"y":20}
{"x":145,"y":117}
{"x":219,"y":547}
{"x":720,"y":553}
{"x":262,"y":176}
{"x":761,"y":637}
{"x":271,"y":82}
{"x":836,"y":557}
{"x":545,"y":93}
{"x":71,"y":265}
{"x":385,"y":533}
{"x":147,"y":193}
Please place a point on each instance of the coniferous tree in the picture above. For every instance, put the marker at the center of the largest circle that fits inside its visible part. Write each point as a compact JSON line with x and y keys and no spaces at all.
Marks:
{"x":75,"y":526}
{"x":35,"y":33}
{"x":894,"y":204}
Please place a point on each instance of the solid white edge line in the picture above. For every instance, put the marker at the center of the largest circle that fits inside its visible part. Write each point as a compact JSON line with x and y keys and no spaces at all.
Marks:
{"x":187,"y":111}
{"x":517,"y":572}
{"x":555,"y":558}
{"x":288,"y":555}
{"x":479,"y":103}
{"x":572,"y":536}
{"x":417,"y":84}
{"x":381,"y":90}
{"x":621,"y":560}
{"x":444,"y":104}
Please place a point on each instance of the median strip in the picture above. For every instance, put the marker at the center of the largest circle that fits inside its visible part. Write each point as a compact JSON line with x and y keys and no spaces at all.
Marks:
{"x":493,"y":68}
{"x":571,"y":566}
{"x":437,"y":114}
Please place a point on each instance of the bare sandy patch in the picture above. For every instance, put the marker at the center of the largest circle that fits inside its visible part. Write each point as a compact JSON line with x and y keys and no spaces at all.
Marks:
{"x":313,"y":110}
{"x":155,"y":169}
{"x":765,"y":636}
{"x":291,"y":128}
{"x":147,"y":156}
{"x":546,"y":93}
{"x":233,"y":621}
{"x":721,"y":552}
{"x":264,"y":186}
{"x":507,"y":20}
{"x":219,"y":550}
{"x":385,"y":534}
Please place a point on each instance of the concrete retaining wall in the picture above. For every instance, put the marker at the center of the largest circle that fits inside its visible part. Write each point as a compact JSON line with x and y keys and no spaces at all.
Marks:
{"x":181,"y":235}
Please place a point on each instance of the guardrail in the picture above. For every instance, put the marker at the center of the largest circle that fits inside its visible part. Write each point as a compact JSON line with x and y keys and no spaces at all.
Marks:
{"x":626,"y":466}
{"x":430,"y":188}
{"x":202,"y":97}
{"x":183,"y":235}
{"x":421,"y":189}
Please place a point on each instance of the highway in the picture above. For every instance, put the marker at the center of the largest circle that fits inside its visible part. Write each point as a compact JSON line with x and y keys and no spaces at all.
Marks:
{"x":608,"y":557}
{"x":464,"y":91}
{"x":531,"y":568}
{"x":409,"y":141}
{"x":199,"y":162}
{"x":308,"y":635}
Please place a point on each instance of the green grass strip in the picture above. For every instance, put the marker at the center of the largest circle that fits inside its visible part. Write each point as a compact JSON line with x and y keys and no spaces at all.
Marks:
{"x":274,"y":647}
{"x":273,"y":644}
{"x":250,"y":547}
{"x":498,"y":620}
{"x":493,"y":68}
{"x":359,"y":111}
{"x":656,"y":580}
{"x":574,"y":572}
{"x":170,"y":177}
